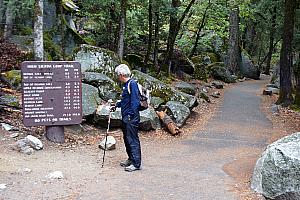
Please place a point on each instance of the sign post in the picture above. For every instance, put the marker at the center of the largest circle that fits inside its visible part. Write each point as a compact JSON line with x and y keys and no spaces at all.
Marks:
{"x":51,"y":96}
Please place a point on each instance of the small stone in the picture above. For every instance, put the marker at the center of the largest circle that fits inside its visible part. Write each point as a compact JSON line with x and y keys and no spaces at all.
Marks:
{"x":215,"y":94}
{"x":27,"y":150}
{"x":14,"y":135}
{"x":6,"y":127}
{"x":24,"y":170}
{"x":3,"y":186}
{"x":55,"y":175}
{"x":110,"y":143}
{"x":204,"y":90}
{"x":19,"y":145}
{"x":34,"y":142}
{"x":267,"y":92}
{"x":275,"y":109}
{"x":218,"y":85}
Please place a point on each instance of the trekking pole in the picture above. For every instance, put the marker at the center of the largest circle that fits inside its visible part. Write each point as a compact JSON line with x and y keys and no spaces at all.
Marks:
{"x":108,"y":124}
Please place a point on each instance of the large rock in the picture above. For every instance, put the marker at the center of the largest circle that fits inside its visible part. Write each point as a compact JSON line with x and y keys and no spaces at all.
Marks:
{"x":276,"y":174}
{"x":186,"y":88}
{"x":183,"y":63}
{"x":275,"y":79}
{"x":90,"y":99}
{"x":220,"y":72}
{"x":156,"y":102}
{"x":95,"y":59}
{"x":180,"y":112}
{"x":106,"y":86}
{"x":149,"y":120}
{"x":162,"y":90}
{"x":14,"y":78}
{"x":101,"y":117}
{"x":248,"y":69}
{"x":201,"y":72}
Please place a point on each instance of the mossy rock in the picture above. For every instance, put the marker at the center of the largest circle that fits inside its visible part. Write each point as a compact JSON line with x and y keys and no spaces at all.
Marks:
{"x":197,"y":59}
{"x":186,"y":88}
{"x":201,"y":72}
{"x":164,"y":91}
{"x":14,"y":78}
{"x":205,"y":58}
{"x":90,"y":25}
{"x":9,"y":100}
{"x":221,"y":73}
{"x":213,"y":57}
{"x":96,"y":59}
{"x":107,"y":88}
{"x":156,"y":102}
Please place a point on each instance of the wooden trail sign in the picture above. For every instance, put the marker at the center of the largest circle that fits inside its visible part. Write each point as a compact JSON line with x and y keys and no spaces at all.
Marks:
{"x":51,"y":93}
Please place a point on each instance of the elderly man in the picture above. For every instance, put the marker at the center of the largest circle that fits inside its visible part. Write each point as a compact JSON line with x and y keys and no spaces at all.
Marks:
{"x":129,"y":104}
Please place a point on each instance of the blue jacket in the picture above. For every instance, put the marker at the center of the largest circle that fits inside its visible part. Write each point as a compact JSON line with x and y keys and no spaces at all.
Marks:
{"x":130,"y":102}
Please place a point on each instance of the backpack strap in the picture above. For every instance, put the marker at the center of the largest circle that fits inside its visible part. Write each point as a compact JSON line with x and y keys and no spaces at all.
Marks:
{"x":128,"y":86}
{"x":139,"y":87}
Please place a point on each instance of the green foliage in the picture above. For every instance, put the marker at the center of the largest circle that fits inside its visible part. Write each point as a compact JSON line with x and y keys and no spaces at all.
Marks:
{"x":19,"y":7}
{"x":52,"y":50}
{"x":99,"y":21}
{"x":25,"y":30}
{"x":295,"y":107}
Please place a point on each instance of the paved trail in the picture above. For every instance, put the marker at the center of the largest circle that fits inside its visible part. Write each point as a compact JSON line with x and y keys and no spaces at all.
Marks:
{"x":193,"y":168}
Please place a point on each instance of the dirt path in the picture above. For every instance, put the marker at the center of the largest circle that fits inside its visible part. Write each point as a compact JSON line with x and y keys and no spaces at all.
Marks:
{"x":214,"y":163}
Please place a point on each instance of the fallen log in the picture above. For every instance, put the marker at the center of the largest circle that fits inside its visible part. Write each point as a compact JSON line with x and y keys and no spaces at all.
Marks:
{"x":168,"y":122}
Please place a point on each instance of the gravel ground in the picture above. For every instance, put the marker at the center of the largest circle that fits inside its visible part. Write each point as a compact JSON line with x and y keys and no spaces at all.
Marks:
{"x":172,"y":167}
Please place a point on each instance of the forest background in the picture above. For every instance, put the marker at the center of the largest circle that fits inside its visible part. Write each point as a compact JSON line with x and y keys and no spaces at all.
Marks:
{"x":155,"y":33}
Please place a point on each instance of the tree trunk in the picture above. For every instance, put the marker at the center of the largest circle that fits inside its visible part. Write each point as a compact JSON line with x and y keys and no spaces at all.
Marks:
{"x":200,"y":27}
{"x":112,"y":29}
{"x":172,"y":32}
{"x":149,"y":37}
{"x":1,"y":14}
{"x":297,"y":77}
{"x":234,"y":53}
{"x":8,"y":21}
{"x":250,"y":38}
{"x":122,"y":29}
{"x":62,"y":26}
{"x":271,"y":43}
{"x":156,"y":41}
{"x":286,"y":58}
{"x":184,"y":25}
{"x":38,"y":31}
{"x":174,"y":28}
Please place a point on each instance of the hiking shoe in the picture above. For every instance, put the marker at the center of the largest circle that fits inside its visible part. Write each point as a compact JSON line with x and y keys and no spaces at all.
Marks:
{"x":131,"y":168}
{"x":125,"y":163}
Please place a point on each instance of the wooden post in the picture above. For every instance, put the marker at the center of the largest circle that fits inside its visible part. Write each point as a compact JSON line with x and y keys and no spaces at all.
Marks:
{"x":55,"y":134}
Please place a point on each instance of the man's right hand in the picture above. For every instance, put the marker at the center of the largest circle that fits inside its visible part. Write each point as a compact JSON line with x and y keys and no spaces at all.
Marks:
{"x":112,"y":108}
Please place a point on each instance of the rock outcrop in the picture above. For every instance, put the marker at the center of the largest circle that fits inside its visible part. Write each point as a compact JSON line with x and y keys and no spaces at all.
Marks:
{"x":276,"y":174}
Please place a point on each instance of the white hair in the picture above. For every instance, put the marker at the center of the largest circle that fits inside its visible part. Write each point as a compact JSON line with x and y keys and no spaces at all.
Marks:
{"x":123,"y":69}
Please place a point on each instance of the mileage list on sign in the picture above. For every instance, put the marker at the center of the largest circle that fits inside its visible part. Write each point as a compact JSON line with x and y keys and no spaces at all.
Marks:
{"x":51,"y":93}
